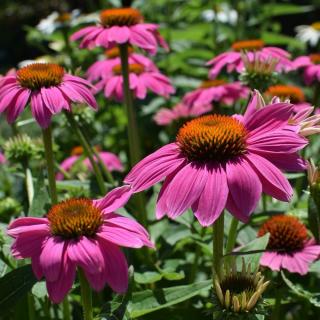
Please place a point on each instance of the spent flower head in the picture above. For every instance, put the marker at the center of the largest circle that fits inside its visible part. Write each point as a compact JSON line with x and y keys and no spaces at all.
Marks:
{"x":259,"y":73}
{"x":20,"y":149}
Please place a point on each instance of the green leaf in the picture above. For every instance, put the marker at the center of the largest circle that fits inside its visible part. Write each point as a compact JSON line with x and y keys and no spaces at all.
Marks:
{"x":280,"y":39}
{"x":253,"y":250}
{"x":40,"y":290}
{"x":147,"y":277}
{"x":314,"y":298}
{"x":14,"y":285}
{"x":40,"y":200}
{"x":279,"y":9}
{"x":148,"y":301}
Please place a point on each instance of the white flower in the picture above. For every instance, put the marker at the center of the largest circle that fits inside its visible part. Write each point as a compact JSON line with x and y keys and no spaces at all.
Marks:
{"x":55,"y":20}
{"x":223,"y":14}
{"x":309,"y":33}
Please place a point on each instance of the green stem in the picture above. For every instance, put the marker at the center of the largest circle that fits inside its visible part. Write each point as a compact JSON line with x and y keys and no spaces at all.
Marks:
{"x":316,"y":95}
{"x":87,"y":150}
{"x":66,"y":309}
{"x":264,"y":202}
{"x":86,"y":296}
{"x":133,"y":137}
{"x":277,"y":306}
{"x":47,"y":141}
{"x":31,"y":308}
{"x":217,"y":237}
{"x":232,"y":236}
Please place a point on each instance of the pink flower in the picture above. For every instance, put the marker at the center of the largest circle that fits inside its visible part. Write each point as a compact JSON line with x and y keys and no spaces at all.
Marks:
{"x":141,"y":79}
{"x":222,"y":162}
{"x":2,"y":158}
{"x":103,"y":68}
{"x":255,"y":50}
{"x":311,"y":66}
{"x":48,"y":89}
{"x":216,"y":91}
{"x":118,"y":26}
{"x":166,"y":116}
{"x":288,"y":247}
{"x":110,"y":160}
{"x":79,"y":233}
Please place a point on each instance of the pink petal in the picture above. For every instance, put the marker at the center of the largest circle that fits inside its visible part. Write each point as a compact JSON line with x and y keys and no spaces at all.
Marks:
{"x":39,"y":111}
{"x":59,"y":288}
{"x":244,"y":186}
{"x":28,"y":224}
{"x":119,"y":34}
{"x":295,"y":264}
{"x":29,"y":244}
{"x":82,"y":32}
{"x":185,"y":188}
{"x":116,"y":268}
{"x":9,"y":98}
{"x":273,"y":181}
{"x":85,"y":252}
{"x":272,"y":260}
{"x":115,"y":199}
{"x":54,"y":99}
{"x":154,"y":167}
{"x":213,"y":197}
{"x":270,"y":117}
{"x":17,"y":105}
{"x":51,"y":258}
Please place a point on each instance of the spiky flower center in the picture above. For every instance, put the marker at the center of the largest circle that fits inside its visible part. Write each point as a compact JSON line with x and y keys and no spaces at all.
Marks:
{"x":212,"y":137}
{"x":133,"y":68}
{"x":315,"y":58}
{"x":115,"y":52}
{"x":287,"y":233}
{"x":295,"y":94}
{"x":77,"y":151}
{"x":212,"y":83}
{"x":248,"y":45}
{"x":237,"y":283}
{"x":38,"y":75}
{"x":74,"y":218}
{"x":120,"y":17}
{"x":316,"y":25}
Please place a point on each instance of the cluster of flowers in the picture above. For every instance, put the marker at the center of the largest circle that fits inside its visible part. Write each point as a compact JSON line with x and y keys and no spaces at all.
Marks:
{"x":216,"y":162}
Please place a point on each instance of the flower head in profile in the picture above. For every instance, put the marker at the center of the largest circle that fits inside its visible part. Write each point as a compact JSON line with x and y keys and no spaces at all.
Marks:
{"x":310,"y":66}
{"x":288,"y":247}
{"x":141,"y":80}
{"x":217,"y":90}
{"x":109,"y":159}
{"x":291,"y":93}
{"x":220,"y":161}
{"x":254,"y":49}
{"x":119,"y":26}
{"x":47,"y":87}
{"x":309,"y":33}
{"x":166,"y":116}
{"x":79,"y":233}
{"x":103,"y":68}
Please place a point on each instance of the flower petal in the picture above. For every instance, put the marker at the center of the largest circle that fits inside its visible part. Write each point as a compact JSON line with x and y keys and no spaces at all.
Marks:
{"x":213,"y":197}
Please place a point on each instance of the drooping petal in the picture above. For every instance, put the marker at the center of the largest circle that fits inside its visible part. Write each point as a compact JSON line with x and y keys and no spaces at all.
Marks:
{"x":39,"y":111}
{"x":59,"y":288}
{"x":116,"y":267}
{"x":51,"y":258}
{"x":185,"y":188}
{"x":85,"y":252}
{"x":28,"y":224}
{"x":17,"y":105}
{"x":213,"y":197}
{"x":244,"y":186}
{"x":273,"y":260}
{"x":273,"y":181}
